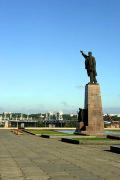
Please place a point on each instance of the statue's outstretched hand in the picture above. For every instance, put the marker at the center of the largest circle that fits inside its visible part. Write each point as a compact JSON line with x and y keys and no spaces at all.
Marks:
{"x":81,"y":51}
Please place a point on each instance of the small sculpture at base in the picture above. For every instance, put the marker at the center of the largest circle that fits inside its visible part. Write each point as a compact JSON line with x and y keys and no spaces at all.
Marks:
{"x":81,"y":121}
{"x":80,"y":115}
{"x":90,"y":66}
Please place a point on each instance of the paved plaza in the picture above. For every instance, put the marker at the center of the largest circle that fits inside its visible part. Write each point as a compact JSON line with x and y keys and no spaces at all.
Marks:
{"x":27,"y":157}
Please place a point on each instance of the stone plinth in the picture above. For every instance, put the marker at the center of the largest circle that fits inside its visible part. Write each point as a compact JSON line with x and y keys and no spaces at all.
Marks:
{"x":93,"y":105}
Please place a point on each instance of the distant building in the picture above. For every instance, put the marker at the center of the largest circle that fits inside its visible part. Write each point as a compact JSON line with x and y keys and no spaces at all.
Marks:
{"x":71,"y":115}
{"x":112,"y":114}
{"x":50,"y":116}
{"x":1,"y":117}
{"x":59,"y":116}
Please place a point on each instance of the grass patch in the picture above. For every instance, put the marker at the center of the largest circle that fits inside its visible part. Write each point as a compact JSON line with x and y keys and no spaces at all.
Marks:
{"x":114,"y":130}
{"x":49,"y":132}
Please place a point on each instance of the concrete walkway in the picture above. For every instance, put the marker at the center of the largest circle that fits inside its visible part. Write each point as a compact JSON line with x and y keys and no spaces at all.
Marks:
{"x":27,"y":157}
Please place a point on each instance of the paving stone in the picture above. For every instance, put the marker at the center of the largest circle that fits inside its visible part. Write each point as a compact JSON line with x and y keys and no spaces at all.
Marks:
{"x":28,"y":157}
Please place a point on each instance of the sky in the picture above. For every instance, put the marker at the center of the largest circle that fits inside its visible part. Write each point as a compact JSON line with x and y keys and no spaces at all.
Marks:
{"x":41,"y":68}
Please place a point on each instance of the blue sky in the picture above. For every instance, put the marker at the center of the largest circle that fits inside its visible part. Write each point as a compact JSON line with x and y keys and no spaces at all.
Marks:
{"x":41,"y":68}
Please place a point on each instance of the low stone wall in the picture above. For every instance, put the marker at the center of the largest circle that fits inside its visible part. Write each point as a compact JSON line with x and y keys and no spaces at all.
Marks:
{"x":115,"y":149}
{"x":113,"y":137}
{"x":28,"y":132}
{"x":45,"y":136}
{"x":72,"y":141}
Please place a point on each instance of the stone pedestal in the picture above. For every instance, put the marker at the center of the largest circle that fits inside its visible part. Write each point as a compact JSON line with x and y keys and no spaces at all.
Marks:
{"x":93,"y":105}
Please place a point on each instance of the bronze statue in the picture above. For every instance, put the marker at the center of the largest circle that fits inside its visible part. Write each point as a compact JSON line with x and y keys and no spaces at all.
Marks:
{"x":90,"y":66}
{"x":80,"y":115}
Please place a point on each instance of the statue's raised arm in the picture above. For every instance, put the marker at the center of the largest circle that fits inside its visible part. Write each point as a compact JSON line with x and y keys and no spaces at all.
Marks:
{"x":83,"y":54}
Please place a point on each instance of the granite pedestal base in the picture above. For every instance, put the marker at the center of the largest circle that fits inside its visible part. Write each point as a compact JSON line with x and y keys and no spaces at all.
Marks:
{"x":94,"y":124}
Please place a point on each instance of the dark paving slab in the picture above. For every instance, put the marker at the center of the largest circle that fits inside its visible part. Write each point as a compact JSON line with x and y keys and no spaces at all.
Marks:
{"x":27,"y":157}
{"x":115,"y":149}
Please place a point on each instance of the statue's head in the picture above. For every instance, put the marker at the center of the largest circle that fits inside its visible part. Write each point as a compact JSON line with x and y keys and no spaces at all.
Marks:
{"x":89,"y":53}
